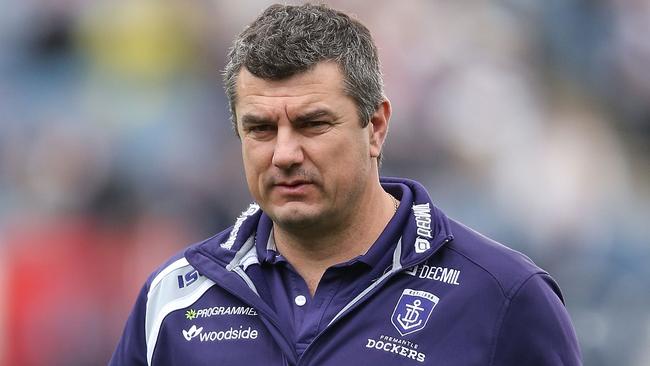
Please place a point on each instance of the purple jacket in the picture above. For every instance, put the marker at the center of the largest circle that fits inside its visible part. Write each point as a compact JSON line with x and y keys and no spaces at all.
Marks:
{"x":449,"y":296}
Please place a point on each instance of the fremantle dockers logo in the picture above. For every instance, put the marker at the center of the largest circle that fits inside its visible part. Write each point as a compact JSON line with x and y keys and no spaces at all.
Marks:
{"x":413,"y":311}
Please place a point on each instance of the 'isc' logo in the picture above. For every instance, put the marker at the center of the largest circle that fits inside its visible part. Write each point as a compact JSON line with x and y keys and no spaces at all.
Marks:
{"x":188,"y":278}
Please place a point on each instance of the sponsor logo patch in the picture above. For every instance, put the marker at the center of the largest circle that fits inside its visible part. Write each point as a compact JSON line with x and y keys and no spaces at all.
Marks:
{"x":422,"y":215}
{"x":192,"y":332}
{"x":192,"y":314}
{"x":413,"y":310}
{"x":231,"y":334}
{"x":188,"y":278}
{"x":441,"y":274}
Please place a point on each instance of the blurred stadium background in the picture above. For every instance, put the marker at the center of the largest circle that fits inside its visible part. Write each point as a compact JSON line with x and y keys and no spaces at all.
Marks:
{"x":528,"y":120}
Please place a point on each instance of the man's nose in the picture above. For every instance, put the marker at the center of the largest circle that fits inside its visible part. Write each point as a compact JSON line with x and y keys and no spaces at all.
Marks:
{"x":288,"y":149}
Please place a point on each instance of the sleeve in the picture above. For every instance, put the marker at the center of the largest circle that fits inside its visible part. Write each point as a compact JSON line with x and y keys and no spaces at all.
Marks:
{"x":536,"y":329}
{"x":132,"y":347}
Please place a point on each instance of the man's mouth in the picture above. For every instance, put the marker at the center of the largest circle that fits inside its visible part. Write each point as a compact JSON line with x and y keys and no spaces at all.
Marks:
{"x":292,"y":187}
{"x":292,"y":183}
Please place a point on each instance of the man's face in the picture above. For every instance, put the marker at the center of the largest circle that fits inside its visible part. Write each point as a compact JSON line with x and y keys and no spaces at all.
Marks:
{"x":307,"y":158}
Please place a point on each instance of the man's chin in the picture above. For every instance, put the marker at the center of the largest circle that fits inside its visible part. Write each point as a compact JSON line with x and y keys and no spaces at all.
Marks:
{"x":295,"y":218}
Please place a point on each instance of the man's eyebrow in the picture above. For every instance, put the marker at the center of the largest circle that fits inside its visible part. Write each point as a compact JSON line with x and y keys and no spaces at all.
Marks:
{"x":251,"y":119}
{"x":314,"y":115}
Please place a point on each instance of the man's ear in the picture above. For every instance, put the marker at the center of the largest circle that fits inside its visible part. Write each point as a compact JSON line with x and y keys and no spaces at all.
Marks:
{"x":379,"y":127}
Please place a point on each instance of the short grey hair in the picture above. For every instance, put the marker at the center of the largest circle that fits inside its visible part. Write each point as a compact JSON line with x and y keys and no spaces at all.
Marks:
{"x":289,"y":39}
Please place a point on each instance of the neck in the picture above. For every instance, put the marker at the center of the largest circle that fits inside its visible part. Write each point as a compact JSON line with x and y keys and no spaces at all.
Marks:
{"x":312,"y":252}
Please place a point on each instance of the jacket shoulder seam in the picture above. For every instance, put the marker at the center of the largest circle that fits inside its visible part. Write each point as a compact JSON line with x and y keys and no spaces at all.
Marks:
{"x":507,"y":293}
{"x":498,"y":326}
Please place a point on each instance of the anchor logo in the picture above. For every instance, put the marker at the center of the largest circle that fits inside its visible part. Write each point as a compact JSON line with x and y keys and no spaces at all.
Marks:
{"x":413,"y":311}
{"x":412,"y":317}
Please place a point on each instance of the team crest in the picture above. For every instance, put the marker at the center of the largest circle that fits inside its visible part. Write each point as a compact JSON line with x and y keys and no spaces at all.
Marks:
{"x":413,"y":311}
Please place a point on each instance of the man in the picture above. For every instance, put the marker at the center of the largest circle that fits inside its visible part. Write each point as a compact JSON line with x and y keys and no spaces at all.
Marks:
{"x":334,"y":265}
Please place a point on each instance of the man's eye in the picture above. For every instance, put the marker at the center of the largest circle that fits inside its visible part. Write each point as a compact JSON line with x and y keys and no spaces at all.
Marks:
{"x":261,"y":128}
{"x":261,"y":131}
{"x":316,"y":125}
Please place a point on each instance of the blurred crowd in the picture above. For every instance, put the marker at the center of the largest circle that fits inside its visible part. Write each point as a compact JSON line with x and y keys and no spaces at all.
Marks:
{"x":527,"y":120}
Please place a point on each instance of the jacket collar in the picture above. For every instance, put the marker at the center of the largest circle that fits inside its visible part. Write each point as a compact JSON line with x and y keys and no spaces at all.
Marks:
{"x":425,"y":229}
